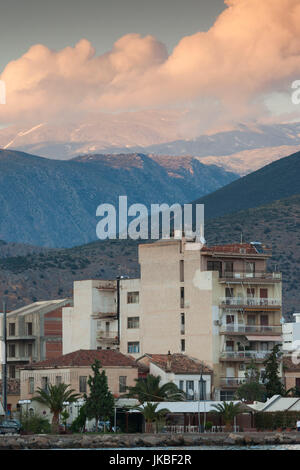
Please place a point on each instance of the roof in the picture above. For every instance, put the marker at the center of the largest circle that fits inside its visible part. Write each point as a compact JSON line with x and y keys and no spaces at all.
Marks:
{"x":192,"y":406}
{"x":179,"y":363}
{"x":85,"y":357}
{"x":290,"y":365}
{"x":237,"y":248}
{"x":40,"y":307}
{"x":278,"y":403}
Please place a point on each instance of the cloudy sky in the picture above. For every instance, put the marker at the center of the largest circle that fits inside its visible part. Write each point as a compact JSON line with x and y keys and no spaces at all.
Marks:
{"x":236,"y":59}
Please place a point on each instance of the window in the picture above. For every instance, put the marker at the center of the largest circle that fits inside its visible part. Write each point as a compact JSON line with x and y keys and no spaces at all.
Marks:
{"x":58,"y":380}
{"x":182,"y":345}
{"x":133,"y":322}
{"x":29,"y":350}
{"x":229,"y":292}
{"x":122,"y":384}
{"x":82,"y":384}
{"x":182,"y":297}
{"x":31,"y":385}
{"x":133,"y":297}
{"x":181,"y":385}
{"x":250,"y":267}
{"x":45,"y":383}
{"x":181,"y":270}
{"x":230,"y":346}
{"x":264,"y":320}
{"x":226,"y":396}
{"x":133,"y":347}
{"x":297,"y":383}
{"x":251,"y":320}
{"x":182,"y":323}
{"x":228,"y":268}
{"x":214,"y":266}
{"x":12,"y":372}
{"x":189,"y":389}
{"x":11,"y":329}
{"x":29,"y":328}
{"x":11,"y":350}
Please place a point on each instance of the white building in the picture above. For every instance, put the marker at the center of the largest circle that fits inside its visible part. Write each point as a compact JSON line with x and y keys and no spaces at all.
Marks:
{"x":291,"y":334}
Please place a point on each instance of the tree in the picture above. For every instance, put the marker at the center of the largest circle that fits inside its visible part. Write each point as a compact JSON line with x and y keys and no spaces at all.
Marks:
{"x":149,"y":389}
{"x":272,"y":380}
{"x":228,"y":411}
{"x":78,"y":425}
{"x":252,"y":389}
{"x":54,"y":397}
{"x":151,"y":415}
{"x":100,"y":402}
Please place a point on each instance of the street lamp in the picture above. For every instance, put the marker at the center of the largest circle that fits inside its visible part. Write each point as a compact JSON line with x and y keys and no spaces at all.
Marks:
{"x":201,"y":397}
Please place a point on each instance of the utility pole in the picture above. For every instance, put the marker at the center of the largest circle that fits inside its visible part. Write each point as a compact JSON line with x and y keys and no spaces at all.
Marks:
{"x":4,"y":361}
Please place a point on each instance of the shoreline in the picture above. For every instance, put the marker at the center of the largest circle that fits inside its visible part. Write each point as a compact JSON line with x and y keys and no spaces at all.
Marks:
{"x":99,"y":441}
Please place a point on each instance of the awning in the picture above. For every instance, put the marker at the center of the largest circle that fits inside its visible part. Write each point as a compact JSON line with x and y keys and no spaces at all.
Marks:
{"x":264,"y":338}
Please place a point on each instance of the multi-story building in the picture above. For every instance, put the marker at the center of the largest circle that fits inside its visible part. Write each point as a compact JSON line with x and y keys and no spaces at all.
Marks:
{"x":34,"y":333}
{"x":291,"y":335}
{"x":218,"y":304}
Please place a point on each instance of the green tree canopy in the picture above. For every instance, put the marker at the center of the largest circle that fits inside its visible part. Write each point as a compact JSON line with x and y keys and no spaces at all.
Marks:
{"x":149,"y":389}
{"x":272,"y":379}
{"x":252,"y":389}
{"x":228,"y":411}
{"x":151,"y":414}
{"x":54,"y":397}
{"x":100,"y":401}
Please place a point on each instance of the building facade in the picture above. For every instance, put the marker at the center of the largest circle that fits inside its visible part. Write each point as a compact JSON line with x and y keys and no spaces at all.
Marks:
{"x":218,"y":304}
{"x":34,"y":333}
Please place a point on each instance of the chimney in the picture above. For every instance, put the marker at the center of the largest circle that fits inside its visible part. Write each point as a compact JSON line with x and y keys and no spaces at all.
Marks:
{"x":169,"y":363}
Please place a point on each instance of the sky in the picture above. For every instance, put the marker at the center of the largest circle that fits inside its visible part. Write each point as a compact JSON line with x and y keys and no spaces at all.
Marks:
{"x":61,"y":23}
{"x":231,"y":60}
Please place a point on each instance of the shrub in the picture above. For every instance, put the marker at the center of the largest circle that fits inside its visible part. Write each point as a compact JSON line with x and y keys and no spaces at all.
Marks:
{"x":35,"y":424}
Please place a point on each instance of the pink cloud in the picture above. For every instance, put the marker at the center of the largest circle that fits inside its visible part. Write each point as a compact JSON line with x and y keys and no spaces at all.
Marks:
{"x":252,"y":49}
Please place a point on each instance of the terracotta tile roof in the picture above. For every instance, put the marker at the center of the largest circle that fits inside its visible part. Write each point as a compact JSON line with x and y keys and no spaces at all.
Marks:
{"x":180,"y":363}
{"x":289,"y":366}
{"x":85,"y":357}
{"x":232,"y":248}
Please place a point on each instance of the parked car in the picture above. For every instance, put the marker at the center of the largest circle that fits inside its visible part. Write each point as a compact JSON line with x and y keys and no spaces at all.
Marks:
{"x":9,"y":426}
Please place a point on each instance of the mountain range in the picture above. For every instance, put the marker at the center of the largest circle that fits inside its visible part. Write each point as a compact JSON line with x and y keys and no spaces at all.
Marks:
{"x":242,"y":149}
{"x":269,"y":213}
{"x":53,"y":203}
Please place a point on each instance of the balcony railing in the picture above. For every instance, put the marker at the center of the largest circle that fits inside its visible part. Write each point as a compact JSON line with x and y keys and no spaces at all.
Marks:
{"x":234,"y":381}
{"x":107,"y":336}
{"x":250,"y":301}
{"x":244,"y":354}
{"x":254,"y":275}
{"x":241,"y":328}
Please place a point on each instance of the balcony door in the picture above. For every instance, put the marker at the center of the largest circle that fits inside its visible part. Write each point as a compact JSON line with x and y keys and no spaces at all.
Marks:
{"x":263,"y":294}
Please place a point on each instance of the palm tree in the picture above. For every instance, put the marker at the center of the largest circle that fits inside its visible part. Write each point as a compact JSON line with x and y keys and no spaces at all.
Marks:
{"x":151,"y":415}
{"x":149,"y":389}
{"x":54,"y":398}
{"x":228,"y":411}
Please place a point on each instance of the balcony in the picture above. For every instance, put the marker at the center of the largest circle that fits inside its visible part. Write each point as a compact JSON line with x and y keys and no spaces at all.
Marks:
{"x":226,"y":276}
{"x":243,"y":355}
{"x":251,"y":329}
{"x":233,"y":382}
{"x":100,"y":315}
{"x":21,"y":338}
{"x":109,"y":337}
{"x":250,"y":302}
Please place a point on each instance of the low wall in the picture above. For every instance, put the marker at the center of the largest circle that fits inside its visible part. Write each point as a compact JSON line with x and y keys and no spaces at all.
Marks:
{"x":98,"y":441}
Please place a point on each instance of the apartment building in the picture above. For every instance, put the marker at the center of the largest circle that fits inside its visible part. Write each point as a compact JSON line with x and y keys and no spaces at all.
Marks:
{"x":291,"y":335}
{"x":34,"y":333}
{"x":218,"y":304}
{"x":102,"y":311}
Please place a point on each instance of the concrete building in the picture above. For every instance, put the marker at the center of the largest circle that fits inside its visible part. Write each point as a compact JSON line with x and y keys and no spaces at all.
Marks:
{"x":34,"y":333}
{"x":218,"y":304}
{"x":291,"y":335}
{"x":291,"y":371}
{"x":186,"y":372}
